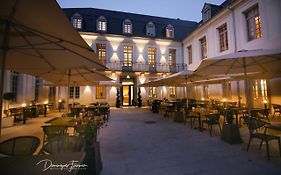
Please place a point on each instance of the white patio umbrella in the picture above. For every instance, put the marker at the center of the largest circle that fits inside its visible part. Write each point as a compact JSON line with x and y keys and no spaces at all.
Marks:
{"x":36,"y":37}
{"x":246,"y":62}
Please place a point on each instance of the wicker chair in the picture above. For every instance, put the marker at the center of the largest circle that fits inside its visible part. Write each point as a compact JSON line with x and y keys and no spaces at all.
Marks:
{"x":254,"y":125}
{"x":20,"y":146}
{"x":189,"y":115}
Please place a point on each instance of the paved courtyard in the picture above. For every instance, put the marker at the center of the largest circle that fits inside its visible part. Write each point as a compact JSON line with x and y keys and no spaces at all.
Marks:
{"x":129,"y":146}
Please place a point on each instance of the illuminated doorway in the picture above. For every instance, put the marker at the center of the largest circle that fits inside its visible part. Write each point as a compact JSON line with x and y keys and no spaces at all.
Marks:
{"x":127,"y":92}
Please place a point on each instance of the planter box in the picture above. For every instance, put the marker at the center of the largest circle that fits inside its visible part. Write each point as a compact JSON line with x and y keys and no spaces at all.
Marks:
{"x":231,"y":134}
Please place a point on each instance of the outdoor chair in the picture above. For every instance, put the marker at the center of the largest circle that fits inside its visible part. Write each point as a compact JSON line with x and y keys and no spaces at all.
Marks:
{"x":20,"y":146}
{"x":104,"y":111}
{"x":52,"y":131}
{"x":189,"y":115}
{"x":63,"y":144}
{"x":255,"y":126}
{"x":212,"y":119}
{"x":276,"y":109}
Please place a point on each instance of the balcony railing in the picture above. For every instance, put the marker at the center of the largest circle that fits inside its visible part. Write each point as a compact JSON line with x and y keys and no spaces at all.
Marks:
{"x":145,"y":67}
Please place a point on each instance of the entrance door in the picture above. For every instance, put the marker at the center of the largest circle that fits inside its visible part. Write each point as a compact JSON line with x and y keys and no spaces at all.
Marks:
{"x":128,"y":95}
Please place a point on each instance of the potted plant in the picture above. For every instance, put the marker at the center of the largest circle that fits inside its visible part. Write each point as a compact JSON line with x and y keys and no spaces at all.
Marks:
{"x":118,"y":101}
{"x":230,"y":132}
{"x":139,"y":99}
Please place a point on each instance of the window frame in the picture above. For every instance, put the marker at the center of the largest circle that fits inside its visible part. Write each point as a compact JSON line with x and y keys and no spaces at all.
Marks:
{"x":77,"y":21}
{"x":172,"y":57}
{"x":203,"y":47}
{"x":253,"y":23}
{"x":101,"y":51}
{"x":189,"y":54}
{"x":150,"y":29}
{"x":102,"y":24}
{"x":170,"y":31}
{"x":101,"y":90}
{"x":127,"y":26}
{"x":152,"y":56}
{"x":223,"y":37}
{"x":128,"y":55}
{"x":74,"y":92}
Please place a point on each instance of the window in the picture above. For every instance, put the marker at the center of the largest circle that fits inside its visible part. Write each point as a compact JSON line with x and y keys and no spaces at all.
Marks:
{"x":37,"y":88}
{"x":127,"y":26}
{"x":101,"y":24}
{"x":74,"y":92}
{"x":189,"y":54}
{"x":203,"y":44}
{"x":76,"y":21}
{"x":152,"y":92}
{"x":206,"y":14}
{"x":172,"y":90}
{"x":14,"y":84}
{"x":253,"y":21}
{"x":264,"y":89}
{"x":100,"y":92}
{"x":172,"y":57}
{"x":226,"y":90}
{"x":152,"y":56}
{"x":128,"y":55}
{"x":150,"y":29}
{"x":170,"y":31}
{"x":223,"y":38}
{"x":101,"y":50}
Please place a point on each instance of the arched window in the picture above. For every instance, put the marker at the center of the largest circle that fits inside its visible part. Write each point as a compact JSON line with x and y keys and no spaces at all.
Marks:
{"x":77,"y":21}
{"x":150,"y":29}
{"x":170,"y":31}
{"x":127,"y":26}
{"x":101,"y":24}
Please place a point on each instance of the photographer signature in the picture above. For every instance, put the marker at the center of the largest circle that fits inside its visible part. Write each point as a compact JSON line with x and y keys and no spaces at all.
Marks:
{"x":71,"y":165}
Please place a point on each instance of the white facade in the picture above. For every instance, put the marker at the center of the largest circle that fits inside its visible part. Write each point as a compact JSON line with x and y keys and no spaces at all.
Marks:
{"x":234,"y":18}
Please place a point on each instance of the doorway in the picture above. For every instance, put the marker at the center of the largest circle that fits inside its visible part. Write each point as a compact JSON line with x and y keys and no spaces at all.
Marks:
{"x":127,"y":92}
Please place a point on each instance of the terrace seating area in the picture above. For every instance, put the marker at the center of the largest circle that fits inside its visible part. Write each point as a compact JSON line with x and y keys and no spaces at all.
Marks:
{"x":227,"y":118}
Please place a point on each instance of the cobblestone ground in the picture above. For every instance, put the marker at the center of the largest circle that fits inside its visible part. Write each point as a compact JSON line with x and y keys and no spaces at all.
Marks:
{"x":129,"y":146}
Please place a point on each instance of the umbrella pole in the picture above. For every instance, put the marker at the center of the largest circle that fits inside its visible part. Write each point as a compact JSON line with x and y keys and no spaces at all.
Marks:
{"x":68,"y":90}
{"x":246,"y":86}
{"x":2,"y":64}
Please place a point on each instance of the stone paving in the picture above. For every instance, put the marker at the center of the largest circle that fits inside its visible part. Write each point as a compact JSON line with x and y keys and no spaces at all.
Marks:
{"x":129,"y":146}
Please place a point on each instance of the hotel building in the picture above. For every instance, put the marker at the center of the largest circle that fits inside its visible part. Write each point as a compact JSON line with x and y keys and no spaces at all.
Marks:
{"x":138,"y":48}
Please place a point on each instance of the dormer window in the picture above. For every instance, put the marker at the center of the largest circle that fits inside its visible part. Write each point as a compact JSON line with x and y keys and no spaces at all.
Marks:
{"x":150,"y":29}
{"x":170,"y":31}
{"x":101,"y":24}
{"x":206,"y":14}
{"x":127,"y":26}
{"x":76,"y":21}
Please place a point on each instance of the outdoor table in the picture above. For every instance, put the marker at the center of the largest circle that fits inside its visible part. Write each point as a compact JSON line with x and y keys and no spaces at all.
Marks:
{"x":201,"y":113}
{"x":62,"y":121}
{"x":275,"y":129}
{"x":31,"y":164}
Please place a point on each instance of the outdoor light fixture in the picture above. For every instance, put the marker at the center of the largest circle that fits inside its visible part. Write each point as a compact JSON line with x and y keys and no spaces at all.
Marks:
{"x":23,"y":105}
{"x":46,"y":102}
{"x":224,"y":100}
{"x":202,"y":99}
{"x":264,"y":101}
{"x":59,"y":100}
{"x":128,"y":76}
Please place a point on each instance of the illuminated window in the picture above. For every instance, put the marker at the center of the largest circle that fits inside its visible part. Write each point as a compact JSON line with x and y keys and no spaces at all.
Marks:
{"x":253,"y":21}
{"x":127,"y":26}
{"x":256,"y":89}
{"x":189,"y":53}
{"x":101,"y":50}
{"x":172,"y":90}
{"x":170,"y":31}
{"x":203,"y":44}
{"x":128,"y":55}
{"x":150,"y":29}
{"x":152,"y":56}
{"x":152,"y":92}
{"x":172,"y":57}
{"x":100,"y":92}
{"x":76,"y":21}
{"x":101,"y":24}
{"x":223,"y":38}
{"x":74,"y":92}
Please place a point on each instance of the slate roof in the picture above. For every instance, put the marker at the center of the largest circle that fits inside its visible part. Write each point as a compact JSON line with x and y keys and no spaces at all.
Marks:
{"x":115,"y":23}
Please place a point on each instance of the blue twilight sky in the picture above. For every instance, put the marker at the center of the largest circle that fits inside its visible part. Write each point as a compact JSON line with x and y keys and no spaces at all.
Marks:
{"x":183,"y":9}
